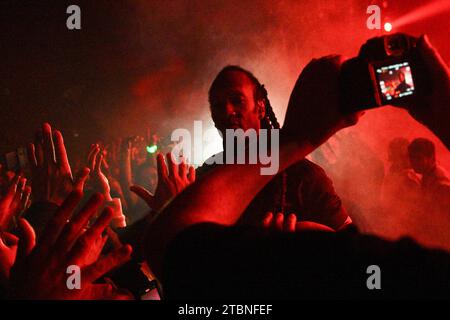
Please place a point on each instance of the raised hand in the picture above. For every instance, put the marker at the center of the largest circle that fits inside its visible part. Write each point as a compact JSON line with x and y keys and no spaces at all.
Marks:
{"x":14,"y":201}
{"x":313,"y":111}
{"x":172,"y":179}
{"x":50,"y":169}
{"x":40,"y":270}
{"x":278,"y":222}
{"x":97,"y":178}
{"x":281,"y":223}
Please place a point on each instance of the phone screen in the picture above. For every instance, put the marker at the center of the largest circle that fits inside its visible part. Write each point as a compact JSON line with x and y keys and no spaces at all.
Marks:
{"x":395,"y":81}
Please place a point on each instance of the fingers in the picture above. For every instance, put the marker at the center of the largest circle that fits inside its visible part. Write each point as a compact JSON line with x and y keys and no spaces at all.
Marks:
{"x":31,"y":154}
{"x":80,"y":179}
{"x":49,"y":148}
{"x":279,"y":222}
{"x":267,"y":220}
{"x":12,"y":189}
{"x":89,"y":238}
{"x":290,"y":223}
{"x":279,"y":219}
{"x":19,"y":191}
{"x":92,"y":156}
{"x":39,"y":148}
{"x":104,"y":162}
{"x":191,"y":176}
{"x":182,"y":170}
{"x":25,"y":200}
{"x":74,"y":228}
{"x":313,"y":106}
{"x":99,"y":161}
{"x":186,"y":172}
{"x":59,"y":220}
{"x":106,"y":264}
{"x":161,"y":166}
{"x":173,"y":168}
{"x":61,"y":153}
{"x":144,"y":194}
{"x":99,"y":226}
{"x":27,"y":239}
{"x":16,"y":196}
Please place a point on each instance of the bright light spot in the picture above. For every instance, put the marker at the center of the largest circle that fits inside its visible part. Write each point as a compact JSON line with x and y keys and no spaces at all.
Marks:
{"x":387,"y":26}
{"x":152,"y":149}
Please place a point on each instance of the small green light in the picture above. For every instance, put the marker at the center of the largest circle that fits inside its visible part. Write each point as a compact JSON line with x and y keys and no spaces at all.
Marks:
{"x":152,"y":149}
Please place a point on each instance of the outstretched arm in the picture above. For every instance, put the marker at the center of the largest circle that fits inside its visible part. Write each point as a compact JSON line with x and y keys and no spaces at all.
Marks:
{"x":223,"y":194}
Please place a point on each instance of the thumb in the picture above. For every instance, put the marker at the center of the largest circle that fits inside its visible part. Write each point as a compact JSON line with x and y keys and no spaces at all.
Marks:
{"x":81,"y":178}
{"x":144,"y":194}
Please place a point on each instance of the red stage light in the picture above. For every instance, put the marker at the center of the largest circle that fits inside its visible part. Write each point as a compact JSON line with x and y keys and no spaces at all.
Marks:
{"x":423,"y":12}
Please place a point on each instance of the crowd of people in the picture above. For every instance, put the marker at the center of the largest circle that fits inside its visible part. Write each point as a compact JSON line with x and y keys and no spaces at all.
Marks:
{"x":140,"y":225}
{"x":399,"y":193}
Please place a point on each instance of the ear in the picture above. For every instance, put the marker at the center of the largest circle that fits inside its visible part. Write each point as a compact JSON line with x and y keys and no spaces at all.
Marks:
{"x":261,"y":109}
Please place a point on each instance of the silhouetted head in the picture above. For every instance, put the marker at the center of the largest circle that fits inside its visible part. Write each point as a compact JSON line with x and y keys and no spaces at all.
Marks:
{"x":398,"y":153}
{"x":422,"y":155}
{"x":239,"y":101}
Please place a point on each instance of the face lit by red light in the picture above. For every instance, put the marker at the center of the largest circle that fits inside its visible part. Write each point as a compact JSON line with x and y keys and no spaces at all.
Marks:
{"x":233,"y":104}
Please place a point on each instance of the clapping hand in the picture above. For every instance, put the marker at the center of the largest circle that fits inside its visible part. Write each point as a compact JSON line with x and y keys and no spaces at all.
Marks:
{"x":15,"y":200}
{"x":40,"y":270}
{"x":50,"y":169}
{"x":172,"y":179}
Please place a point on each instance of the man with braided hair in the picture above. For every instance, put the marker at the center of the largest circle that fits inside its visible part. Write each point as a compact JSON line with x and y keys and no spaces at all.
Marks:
{"x":239,"y":101}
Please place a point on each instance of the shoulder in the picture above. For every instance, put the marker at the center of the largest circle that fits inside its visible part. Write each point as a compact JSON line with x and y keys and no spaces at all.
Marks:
{"x":308,"y":169}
